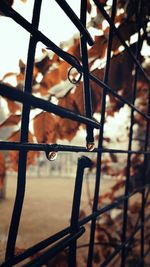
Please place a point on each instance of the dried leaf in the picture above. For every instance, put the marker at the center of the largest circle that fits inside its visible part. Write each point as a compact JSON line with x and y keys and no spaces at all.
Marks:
{"x":99,"y":48}
{"x":89,"y":6}
{"x":2,"y":170}
{"x":54,"y":77}
{"x":45,"y":128}
{"x":11,"y":121}
{"x":126,"y":30}
{"x":77,"y":99}
{"x":14,"y":155}
{"x":96,"y":90}
{"x":75,"y":49}
{"x":120,"y":75}
{"x":13,"y":106}
{"x":67,"y":128}
{"x":43,"y":65}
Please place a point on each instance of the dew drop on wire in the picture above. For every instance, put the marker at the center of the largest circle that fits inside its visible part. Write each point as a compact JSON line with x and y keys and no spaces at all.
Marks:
{"x":52,"y":155}
{"x":90,"y":146}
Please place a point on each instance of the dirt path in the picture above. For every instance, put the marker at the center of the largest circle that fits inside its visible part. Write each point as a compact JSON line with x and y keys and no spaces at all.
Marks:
{"x":46,"y":210}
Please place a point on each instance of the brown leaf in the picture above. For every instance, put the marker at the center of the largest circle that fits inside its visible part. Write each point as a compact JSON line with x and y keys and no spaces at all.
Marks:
{"x":67,"y":128}
{"x":88,"y":6}
{"x":11,"y":120}
{"x":75,"y":49}
{"x":118,"y":185}
{"x":7,"y":75}
{"x":126,"y":30}
{"x":12,"y":106}
{"x":43,"y":65}
{"x":2,"y":170}
{"x":99,"y":48}
{"x":59,"y":73}
{"x":54,"y":77}
{"x":14,"y":155}
{"x":96,"y":90}
{"x":45,"y":127}
{"x":77,"y":99}
{"x":120,"y":75}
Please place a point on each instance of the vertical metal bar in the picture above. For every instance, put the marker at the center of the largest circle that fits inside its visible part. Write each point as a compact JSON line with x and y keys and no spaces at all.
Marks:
{"x":78,"y":23}
{"x":86,"y":86}
{"x":144,"y":177}
{"x":99,"y":155}
{"x":21,"y":180}
{"x":127,"y":183}
{"x":83,"y":163}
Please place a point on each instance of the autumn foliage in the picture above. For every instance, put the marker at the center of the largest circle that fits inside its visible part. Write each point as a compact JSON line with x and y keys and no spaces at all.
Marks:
{"x":50,"y":81}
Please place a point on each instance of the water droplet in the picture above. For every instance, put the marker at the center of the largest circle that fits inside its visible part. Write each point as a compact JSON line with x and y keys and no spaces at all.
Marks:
{"x":90,"y":146}
{"x":52,"y":155}
{"x":74,"y":79}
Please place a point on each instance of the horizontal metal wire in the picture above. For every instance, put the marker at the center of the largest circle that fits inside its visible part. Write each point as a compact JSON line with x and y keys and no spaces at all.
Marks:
{"x":54,"y":238}
{"x":27,"y":99}
{"x":142,"y":260}
{"x":23,"y":97}
{"x":50,"y":253}
{"x":73,"y":17}
{"x":119,"y":97}
{"x":5,"y":145}
{"x":68,"y":57}
{"x":112,"y":25}
{"x":121,"y":246}
{"x":68,"y":236}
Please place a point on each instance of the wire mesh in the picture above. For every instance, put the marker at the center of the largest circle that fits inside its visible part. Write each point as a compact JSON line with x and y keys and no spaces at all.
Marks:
{"x":67,"y":238}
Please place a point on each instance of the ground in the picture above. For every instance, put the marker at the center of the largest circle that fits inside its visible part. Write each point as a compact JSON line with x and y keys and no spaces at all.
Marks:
{"x":46,"y":210}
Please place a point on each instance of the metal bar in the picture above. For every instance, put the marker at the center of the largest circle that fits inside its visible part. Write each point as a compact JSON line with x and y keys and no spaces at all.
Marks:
{"x":68,"y":236}
{"x":23,"y":97}
{"x":66,"y":56}
{"x":144,"y":181}
{"x":127,"y":183}
{"x":119,"y":97}
{"x":28,"y":99}
{"x":125,"y":245}
{"x":21,"y":181}
{"x":120,"y":248}
{"x":43,"y":244}
{"x":50,"y":253}
{"x":78,"y":23}
{"x":143,"y":189}
{"x":83,"y":163}
{"x":37,"y":247}
{"x":141,"y":262}
{"x":86,"y":85}
{"x":111,"y":206}
{"x":112,"y":25}
{"x":7,"y":10}
{"x":63,"y":148}
{"x":100,"y":143}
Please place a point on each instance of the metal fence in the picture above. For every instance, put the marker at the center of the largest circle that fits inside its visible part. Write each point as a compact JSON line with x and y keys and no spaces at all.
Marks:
{"x":67,"y":238}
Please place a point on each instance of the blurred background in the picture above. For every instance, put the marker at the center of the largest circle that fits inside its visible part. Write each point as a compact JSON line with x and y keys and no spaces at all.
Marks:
{"x":50,"y":184}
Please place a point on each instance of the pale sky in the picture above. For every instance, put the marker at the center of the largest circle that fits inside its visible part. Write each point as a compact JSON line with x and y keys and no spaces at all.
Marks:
{"x":53,"y":23}
{"x":14,"y":39}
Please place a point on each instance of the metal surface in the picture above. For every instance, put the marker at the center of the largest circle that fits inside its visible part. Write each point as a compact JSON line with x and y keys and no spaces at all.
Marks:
{"x":67,"y":238}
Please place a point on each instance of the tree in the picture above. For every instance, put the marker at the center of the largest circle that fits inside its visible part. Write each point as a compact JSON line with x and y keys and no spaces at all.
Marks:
{"x":55,"y":86}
